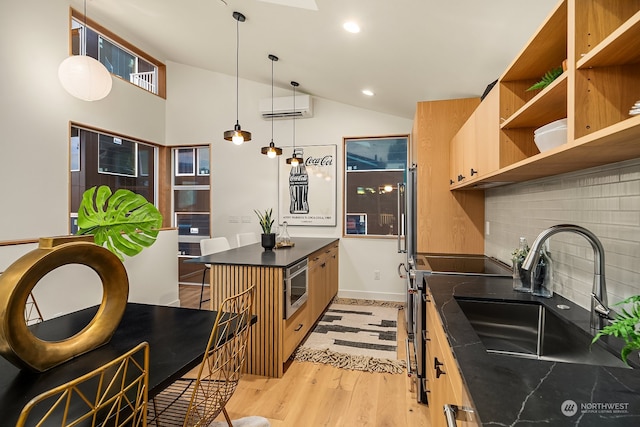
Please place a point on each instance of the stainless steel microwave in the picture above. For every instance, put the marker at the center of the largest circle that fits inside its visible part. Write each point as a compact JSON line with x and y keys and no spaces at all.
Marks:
{"x":296,"y":287}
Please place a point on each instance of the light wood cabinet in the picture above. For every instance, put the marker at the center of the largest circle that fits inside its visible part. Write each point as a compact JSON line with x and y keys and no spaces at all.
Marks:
{"x":323,"y":279}
{"x":600,"y":41}
{"x":447,"y":222}
{"x":444,"y":382}
{"x":296,"y":328}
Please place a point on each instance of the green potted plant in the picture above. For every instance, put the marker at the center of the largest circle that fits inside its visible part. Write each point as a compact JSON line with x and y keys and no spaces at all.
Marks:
{"x":626,"y":325}
{"x":266,"y":223}
{"x":124,"y":222}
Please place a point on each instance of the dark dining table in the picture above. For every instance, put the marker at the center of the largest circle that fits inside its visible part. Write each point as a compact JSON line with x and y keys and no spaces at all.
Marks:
{"x":177,"y":339}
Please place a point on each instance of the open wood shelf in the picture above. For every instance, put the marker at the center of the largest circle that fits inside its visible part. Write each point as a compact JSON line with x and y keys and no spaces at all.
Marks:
{"x":619,"y":48}
{"x":548,"y":105}
{"x":599,"y":87}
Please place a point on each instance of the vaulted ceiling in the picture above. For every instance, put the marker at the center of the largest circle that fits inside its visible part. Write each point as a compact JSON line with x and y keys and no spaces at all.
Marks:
{"x":407,"y":50}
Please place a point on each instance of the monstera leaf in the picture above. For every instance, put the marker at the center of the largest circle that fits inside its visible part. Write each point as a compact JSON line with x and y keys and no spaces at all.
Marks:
{"x":124,"y":222}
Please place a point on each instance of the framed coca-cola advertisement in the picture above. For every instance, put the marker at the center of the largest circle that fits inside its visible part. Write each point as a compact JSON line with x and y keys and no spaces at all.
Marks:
{"x":307,"y":191}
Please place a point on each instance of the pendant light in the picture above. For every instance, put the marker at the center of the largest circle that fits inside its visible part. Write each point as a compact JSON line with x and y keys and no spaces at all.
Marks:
{"x":294,"y":160}
{"x":271,"y":151}
{"x":237,"y":135}
{"x":83,"y":76}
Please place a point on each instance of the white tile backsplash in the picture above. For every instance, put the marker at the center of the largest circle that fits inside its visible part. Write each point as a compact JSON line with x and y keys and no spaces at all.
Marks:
{"x":605,"y":200}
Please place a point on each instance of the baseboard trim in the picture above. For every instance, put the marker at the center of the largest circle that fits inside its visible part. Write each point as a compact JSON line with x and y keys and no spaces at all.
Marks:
{"x":377,"y":296}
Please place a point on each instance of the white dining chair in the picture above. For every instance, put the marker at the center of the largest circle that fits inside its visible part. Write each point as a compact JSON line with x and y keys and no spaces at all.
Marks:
{"x":208,"y":247}
{"x":246,"y":239}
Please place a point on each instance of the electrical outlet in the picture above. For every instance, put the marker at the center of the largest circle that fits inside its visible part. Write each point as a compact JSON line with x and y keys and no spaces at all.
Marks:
{"x":376,"y":274}
{"x":487,"y":229}
{"x":234,"y":219}
{"x":246,"y":219}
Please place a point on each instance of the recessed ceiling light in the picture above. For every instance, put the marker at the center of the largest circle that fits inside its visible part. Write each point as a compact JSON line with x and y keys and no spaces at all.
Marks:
{"x":351,"y":26}
{"x":367,"y":92}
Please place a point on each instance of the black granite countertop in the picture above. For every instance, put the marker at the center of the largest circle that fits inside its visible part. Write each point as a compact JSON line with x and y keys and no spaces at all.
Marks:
{"x":510,"y":391}
{"x":255,"y":255}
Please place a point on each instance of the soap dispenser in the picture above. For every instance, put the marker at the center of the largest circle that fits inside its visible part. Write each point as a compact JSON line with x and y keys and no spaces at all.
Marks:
{"x":542,"y":285}
{"x":521,"y":280}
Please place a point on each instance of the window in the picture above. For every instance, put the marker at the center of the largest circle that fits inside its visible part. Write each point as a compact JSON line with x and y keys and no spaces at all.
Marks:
{"x":191,"y":199}
{"x":119,"y":57}
{"x":98,"y":158}
{"x":373,"y":168}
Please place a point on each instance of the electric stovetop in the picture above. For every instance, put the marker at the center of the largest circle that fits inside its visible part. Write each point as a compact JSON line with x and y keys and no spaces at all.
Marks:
{"x":461,"y":264}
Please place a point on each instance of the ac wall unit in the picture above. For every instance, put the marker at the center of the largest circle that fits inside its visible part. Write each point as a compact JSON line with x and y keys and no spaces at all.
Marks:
{"x":283,"y":107}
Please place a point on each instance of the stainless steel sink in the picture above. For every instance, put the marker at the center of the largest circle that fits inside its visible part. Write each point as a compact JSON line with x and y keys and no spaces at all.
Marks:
{"x":532,"y":331}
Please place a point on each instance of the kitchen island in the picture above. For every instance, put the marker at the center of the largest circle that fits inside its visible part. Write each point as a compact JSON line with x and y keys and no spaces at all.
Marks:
{"x":274,"y":338}
{"x":507,"y":390}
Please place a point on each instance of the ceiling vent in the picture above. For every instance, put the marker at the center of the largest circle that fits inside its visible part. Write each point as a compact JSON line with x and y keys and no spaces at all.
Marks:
{"x":283,"y":107}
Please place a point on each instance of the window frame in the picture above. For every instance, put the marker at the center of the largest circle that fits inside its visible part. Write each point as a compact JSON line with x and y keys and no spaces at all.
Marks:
{"x":346,"y":171}
{"x":123,"y":44}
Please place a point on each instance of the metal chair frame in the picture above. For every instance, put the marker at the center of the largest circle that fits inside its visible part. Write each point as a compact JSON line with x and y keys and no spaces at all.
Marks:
{"x":115,"y":394}
{"x":197,"y":402}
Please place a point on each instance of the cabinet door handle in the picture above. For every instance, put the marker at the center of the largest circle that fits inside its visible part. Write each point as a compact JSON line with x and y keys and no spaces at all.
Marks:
{"x":298,"y":328}
{"x":436,"y":366}
{"x":451,"y":182}
{"x":460,"y":177}
{"x":473,"y":171}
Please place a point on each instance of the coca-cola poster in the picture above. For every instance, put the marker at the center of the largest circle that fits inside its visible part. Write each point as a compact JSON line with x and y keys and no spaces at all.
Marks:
{"x":307,"y":192}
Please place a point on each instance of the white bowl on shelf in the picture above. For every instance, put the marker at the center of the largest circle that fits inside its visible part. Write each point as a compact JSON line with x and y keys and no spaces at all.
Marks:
{"x":551,"y":135}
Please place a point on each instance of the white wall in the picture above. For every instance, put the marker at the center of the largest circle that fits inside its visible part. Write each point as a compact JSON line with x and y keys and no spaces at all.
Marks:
{"x":36,"y":111}
{"x":202,"y":105}
{"x":34,"y":144}
{"x":153,"y":278}
{"x":605,"y":200}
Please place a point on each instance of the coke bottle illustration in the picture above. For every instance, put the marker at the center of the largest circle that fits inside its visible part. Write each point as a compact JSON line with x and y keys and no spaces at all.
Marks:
{"x":299,"y":186}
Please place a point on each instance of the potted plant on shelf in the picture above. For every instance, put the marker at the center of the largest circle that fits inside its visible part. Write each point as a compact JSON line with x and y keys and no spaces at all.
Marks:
{"x":266,"y":222}
{"x":124,"y":222}
{"x":626,"y":325}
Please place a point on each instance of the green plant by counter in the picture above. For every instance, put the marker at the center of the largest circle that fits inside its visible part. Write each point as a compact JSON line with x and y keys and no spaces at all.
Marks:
{"x":626,"y":325}
{"x":266,"y":222}
{"x":124,"y":222}
{"x":547,"y":79}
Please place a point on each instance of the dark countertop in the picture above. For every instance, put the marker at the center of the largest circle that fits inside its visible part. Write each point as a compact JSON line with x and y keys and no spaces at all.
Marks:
{"x":255,"y":255}
{"x":510,"y":391}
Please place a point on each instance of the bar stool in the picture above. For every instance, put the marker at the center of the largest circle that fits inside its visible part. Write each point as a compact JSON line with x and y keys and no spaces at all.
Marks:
{"x":246,"y":239}
{"x":208,"y":247}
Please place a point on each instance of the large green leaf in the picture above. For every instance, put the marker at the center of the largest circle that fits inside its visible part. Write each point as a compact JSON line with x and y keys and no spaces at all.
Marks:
{"x":124,"y":222}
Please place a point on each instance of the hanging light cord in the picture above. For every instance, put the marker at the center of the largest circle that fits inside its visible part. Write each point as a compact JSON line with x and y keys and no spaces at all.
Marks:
{"x":237,"y":66}
{"x":294,"y":120}
{"x":85,"y":29}
{"x":272,"y":100}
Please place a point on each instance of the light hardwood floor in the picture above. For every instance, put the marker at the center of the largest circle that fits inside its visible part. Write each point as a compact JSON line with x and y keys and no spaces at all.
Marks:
{"x":310,"y":395}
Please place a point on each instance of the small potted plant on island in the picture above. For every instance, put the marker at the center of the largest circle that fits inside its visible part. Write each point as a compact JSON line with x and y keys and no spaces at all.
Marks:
{"x":266,"y":222}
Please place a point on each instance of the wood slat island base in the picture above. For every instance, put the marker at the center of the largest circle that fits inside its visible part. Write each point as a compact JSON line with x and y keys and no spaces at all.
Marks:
{"x":273,"y":339}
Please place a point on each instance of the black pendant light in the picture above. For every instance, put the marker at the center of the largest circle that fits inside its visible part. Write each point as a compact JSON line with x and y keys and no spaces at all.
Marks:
{"x":271,"y":151}
{"x":294,"y":160}
{"x":237,"y":135}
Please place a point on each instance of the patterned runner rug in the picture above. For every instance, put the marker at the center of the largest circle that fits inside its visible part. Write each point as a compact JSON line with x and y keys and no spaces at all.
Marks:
{"x":358,"y":337}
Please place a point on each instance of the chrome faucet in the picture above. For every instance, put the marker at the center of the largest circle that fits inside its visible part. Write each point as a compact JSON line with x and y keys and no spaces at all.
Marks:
{"x":599,"y":307}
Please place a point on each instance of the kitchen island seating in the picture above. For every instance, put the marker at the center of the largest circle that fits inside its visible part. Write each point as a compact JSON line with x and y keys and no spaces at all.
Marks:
{"x":208,"y":247}
{"x":114,"y":394}
{"x":199,"y":401}
{"x":247,"y":239}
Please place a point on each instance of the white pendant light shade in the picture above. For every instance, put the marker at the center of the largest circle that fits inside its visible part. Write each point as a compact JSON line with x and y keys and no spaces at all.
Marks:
{"x":85,"y":78}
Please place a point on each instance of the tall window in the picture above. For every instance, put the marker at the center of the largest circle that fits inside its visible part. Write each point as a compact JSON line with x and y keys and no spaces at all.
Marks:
{"x":119,"y":57}
{"x":191,"y":207}
{"x":373,"y":168}
{"x":191,"y":197}
{"x":99,"y":158}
